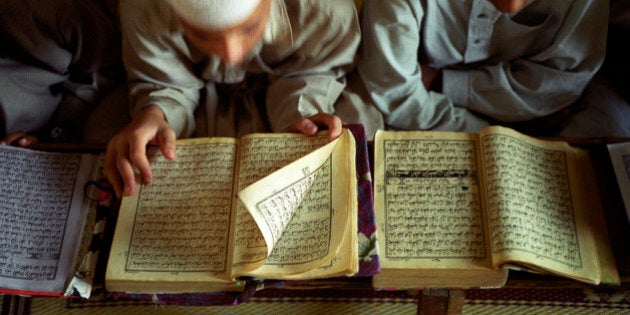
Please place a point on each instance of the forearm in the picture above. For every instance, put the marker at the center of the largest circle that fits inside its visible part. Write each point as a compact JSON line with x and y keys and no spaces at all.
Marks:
{"x":291,"y":99}
{"x":546,"y":76}
{"x":158,"y":68}
{"x":178,"y":110}
{"x":312,"y":76}
{"x":504,"y":94}
{"x":424,"y":110}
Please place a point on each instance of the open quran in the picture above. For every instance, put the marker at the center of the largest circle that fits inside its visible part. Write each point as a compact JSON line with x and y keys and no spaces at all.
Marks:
{"x":50,"y":221}
{"x":273,"y":206}
{"x":460,"y":209}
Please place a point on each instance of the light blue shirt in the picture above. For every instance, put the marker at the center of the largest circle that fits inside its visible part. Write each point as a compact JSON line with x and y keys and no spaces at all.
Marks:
{"x":506,"y":67}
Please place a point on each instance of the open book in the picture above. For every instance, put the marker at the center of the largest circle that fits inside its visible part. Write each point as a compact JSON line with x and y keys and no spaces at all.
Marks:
{"x":277,"y":206}
{"x":458,"y":209}
{"x":620,"y":158}
{"x":47,"y":221}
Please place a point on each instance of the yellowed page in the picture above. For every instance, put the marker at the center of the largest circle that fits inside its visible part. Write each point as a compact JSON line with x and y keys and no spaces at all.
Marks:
{"x":305,"y":211}
{"x":538,"y":208}
{"x":427,"y":202}
{"x":261,"y":155}
{"x":273,"y":200}
{"x":173,"y":235}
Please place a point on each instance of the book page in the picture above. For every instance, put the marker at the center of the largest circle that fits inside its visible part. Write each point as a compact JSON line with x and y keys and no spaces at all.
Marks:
{"x":620,"y":158}
{"x":535,"y":209}
{"x":427,"y":201}
{"x":261,"y":155}
{"x":178,"y":227}
{"x":303,"y":209}
{"x":42,"y":213}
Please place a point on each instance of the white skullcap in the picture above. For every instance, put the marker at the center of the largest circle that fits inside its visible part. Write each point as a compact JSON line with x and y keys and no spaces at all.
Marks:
{"x":214,"y":14}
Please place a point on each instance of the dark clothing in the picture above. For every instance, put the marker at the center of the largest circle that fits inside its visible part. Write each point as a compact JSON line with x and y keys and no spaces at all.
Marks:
{"x":58,"y":59}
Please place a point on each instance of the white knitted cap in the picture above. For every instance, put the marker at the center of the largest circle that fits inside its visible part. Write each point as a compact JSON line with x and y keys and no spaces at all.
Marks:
{"x":214,"y":14}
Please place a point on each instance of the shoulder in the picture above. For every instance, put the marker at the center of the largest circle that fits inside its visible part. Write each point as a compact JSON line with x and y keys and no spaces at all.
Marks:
{"x":324,"y":5}
{"x":568,"y":6}
{"x":149,"y":14}
{"x":321,"y":19}
{"x":320,"y":10}
{"x":401,"y":12}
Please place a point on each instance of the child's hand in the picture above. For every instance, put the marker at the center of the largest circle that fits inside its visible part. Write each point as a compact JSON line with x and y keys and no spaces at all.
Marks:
{"x":127,"y":150}
{"x":19,"y":138}
{"x":310,"y":126}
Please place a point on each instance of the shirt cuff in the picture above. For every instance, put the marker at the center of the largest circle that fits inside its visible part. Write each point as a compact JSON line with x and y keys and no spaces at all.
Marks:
{"x":174,"y":113}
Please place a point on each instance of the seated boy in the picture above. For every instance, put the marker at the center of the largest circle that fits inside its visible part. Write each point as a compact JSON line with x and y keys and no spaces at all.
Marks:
{"x":228,"y":68}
